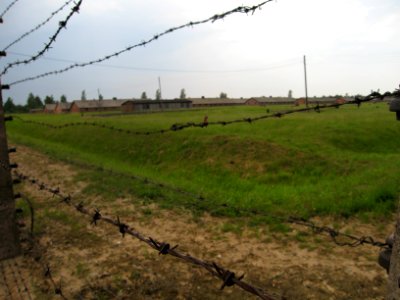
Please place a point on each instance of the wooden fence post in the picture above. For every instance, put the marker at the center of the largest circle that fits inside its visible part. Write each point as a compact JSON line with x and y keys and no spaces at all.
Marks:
{"x":9,"y":237}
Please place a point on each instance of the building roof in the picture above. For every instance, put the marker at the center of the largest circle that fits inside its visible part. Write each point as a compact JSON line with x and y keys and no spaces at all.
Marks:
{"x":50,"y":107}
{"x":98,"y":103}
{"x":157,"y":101}
{"x":216,"y":101}
{"x":64,"y":105}
{"x":273,"y":99}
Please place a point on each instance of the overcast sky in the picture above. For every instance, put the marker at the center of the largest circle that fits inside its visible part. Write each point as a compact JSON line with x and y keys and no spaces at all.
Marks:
{"x":352,"y":46}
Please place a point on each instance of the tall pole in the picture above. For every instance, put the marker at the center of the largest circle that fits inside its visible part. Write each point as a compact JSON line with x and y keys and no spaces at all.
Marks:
{"x":9,"y":239}
{"x":159,"y":86}
{"x":305,"y":78}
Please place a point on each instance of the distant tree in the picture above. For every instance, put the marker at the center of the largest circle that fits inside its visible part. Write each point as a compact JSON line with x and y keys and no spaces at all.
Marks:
{"x":183,"y":94}
{"x":33,"y":102}
{"x":143,"y":96}
{"x":158,"y":94}
{"x":223,"y":95}
{"x":63,"y":99}
{"x":49,"y":100}
{"x":21,"y":108}
{"x":101,"y":97}
{"x":83,"y":95}
{"x":114,"y":98}
{"x":38,"y":102}
{"x":9,"y":106}
{"x":290,"y":94}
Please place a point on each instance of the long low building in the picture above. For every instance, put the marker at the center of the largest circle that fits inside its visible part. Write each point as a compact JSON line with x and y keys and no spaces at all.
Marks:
{"x":155,"y":105}
{"x":96,"y":105}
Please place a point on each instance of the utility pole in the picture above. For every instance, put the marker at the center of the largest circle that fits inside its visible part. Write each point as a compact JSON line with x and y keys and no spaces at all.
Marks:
{"x":159,"y":86}
{"x":305,"y":78}
{"x":9,"y":238}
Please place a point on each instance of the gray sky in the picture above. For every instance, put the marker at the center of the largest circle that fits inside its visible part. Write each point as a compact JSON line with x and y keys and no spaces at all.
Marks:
{"x":352,"y":46}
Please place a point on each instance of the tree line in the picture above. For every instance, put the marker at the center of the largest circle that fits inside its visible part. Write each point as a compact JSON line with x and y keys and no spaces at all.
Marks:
{"x":32,"y":102}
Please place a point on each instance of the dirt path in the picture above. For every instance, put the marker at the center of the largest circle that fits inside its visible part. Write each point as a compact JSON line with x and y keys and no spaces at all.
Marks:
{"x":95,"y":262}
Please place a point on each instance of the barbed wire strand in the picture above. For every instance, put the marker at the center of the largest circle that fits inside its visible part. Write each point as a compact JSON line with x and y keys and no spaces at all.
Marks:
{"x":38,"y":26}
{"x":177,"y":127}
{"x":333,"y":234}
{"x":61,"y":25}
{"x":7,"y":9}
{"x":229,"y":278}
{"x":216,"y":17}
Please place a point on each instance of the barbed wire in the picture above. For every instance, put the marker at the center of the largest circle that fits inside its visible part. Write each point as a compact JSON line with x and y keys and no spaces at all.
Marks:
{"x":37,"y":253}
{"x":61,"y":25}
{"x":177,"y":127}
{"x":214,"y":18}
{"x":38,"y":26}
{"x":7,"y":9}
{"x":332,"y":233}
{"x":228,"y":278}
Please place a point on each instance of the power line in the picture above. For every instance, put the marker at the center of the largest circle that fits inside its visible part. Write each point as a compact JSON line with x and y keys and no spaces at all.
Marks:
{"x":61,"y":25}
{"x":37,"y":27}
{"x":277,"y":65}
{"x":214,"y":18}
{"x":7,"y":9}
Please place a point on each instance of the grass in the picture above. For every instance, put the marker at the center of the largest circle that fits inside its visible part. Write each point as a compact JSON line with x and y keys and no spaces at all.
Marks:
{"x":341,"y":162}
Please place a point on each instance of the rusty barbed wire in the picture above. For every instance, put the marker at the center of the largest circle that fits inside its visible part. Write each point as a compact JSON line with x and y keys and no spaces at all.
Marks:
{"x":37,"y":253}
{"x":332,"y":233}
{"x":228,"y":278}
{"x":7,"y":9}
{"x":61,"y":25}
{"x":214,"y":18}
{"x":177,"y":127}
{"x":38,"y":26}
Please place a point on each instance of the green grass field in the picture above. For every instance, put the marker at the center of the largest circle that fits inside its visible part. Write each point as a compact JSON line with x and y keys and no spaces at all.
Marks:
{"x":341,"y":162}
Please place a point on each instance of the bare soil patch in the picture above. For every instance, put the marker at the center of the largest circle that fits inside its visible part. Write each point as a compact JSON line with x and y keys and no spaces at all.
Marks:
{"x":96,"y":262}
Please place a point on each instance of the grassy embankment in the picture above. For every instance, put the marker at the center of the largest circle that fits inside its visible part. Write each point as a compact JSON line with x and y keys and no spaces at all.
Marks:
{"x":342,"y":162}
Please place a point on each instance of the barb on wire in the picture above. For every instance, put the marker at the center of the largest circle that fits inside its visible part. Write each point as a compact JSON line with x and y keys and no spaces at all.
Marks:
{"x":57,"y":287}
{"x":334,"y":234}
{"x":61,"y":25}
{"x":240,"y":9}
{"x":38,"y":26}
{"x":177,"y":127}
{"x":7,"y":9}
{"x":228,"y":278}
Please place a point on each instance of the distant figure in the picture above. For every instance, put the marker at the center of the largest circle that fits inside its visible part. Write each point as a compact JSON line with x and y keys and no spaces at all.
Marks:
{"x":205,"y":122}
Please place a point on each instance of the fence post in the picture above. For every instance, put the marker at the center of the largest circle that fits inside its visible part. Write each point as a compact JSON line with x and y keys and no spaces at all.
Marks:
{"x":9,"y":237}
